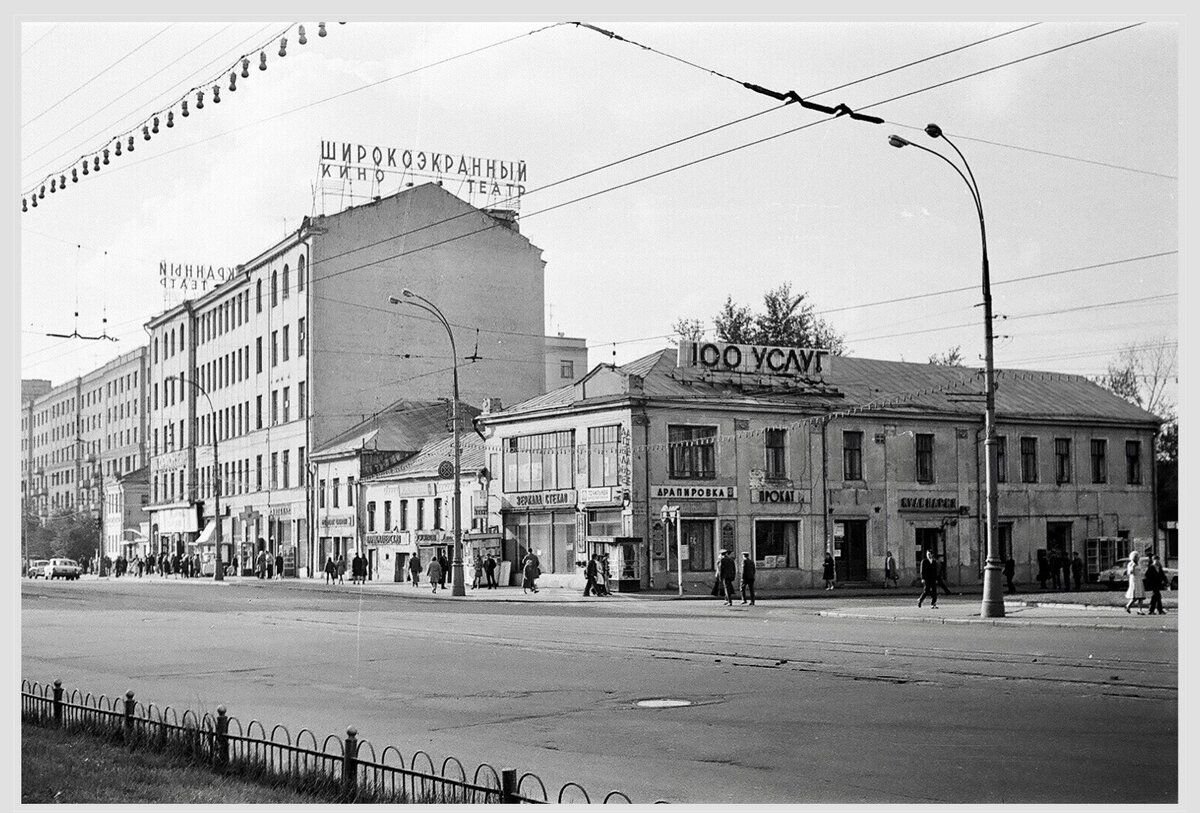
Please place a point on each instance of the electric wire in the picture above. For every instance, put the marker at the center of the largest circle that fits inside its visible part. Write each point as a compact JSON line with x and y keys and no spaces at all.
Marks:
{"x":39,"y":39}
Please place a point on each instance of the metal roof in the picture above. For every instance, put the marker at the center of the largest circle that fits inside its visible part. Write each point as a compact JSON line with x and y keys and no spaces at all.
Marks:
{"x":405,"y":426}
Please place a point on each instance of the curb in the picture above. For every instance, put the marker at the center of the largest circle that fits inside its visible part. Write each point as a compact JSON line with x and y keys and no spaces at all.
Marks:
{"x":997,"y":622}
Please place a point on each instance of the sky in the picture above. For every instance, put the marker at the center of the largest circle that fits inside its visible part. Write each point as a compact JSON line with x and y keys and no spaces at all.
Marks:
{"x":1075,"y":153}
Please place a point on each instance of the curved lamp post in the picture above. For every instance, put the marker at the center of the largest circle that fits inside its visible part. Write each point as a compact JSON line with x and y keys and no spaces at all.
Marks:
{"x":993,"y":598}
{"x":219,"y":570}
{"x":458,"y":584}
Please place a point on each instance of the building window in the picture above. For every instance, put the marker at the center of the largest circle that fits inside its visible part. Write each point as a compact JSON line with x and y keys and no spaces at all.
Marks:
{"x":258,"y":472}
{"x":274,"y":348}
{"x":1099,"y":460}
{"x":775,"y":543}
{"x":1001,"y":460}
{"x":286,"y":329}
{"x":258,"y":296}
{"x":1133,"y":462}
{"x":286,"y":470}
{"x":302,"y":468}
{"x":602,"y":455}
{"x":287,"y":404}
{"x":851,"y":456}
{"x":692,"y":454}
{"x":371,"y":517}
{"x":302,"y":394}
{"x":274,"y":407}
{"x":387,"y":514}
{"x":274,"y":470}
{"x":541,"y":462}
{"x":350,"y":491}
{"x":924,"y":446}
{"x":300,"y":273}
{"x":605,"y":522}
{"x":258,"y":410}
{"x":403,"y":515}
{"x":420,"y":515}
{"x":286,"y":274}
{"x":776,"y":450}
{"x":337,"y":487}
{"x":300,"y":337}
{"x":274,"y":288}
{"x":566,"y":368}
{"x":321,"y":491}
{"x":437,"y":513}
{"x":258,"y":354}
{"x":1029,"y":464}
{"x":1062,"y":460}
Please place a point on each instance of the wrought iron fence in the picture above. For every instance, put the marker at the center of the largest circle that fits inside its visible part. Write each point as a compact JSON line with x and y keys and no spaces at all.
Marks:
{"x":341,"y":769}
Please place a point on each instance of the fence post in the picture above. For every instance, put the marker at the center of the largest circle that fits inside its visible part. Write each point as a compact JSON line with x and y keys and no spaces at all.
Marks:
{"x":127,"y":731}
{"x":508,"y":786}
{"x":350,"y":764}
{"x":58,"y":711}
{"x":222,"y":737}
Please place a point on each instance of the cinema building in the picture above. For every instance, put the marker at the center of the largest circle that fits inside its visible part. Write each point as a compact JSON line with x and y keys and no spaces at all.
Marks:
{"x":663,"y":462}
{"x":301,"y":344}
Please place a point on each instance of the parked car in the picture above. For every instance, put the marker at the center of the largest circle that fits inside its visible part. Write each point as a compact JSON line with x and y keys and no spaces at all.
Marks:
{"x":37,"y":568}
{"x":63,"y":569}
{"x":1115,"y":576}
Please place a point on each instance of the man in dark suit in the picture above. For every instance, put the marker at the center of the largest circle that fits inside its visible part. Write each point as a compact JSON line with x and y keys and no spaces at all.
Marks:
{"x":726,"y":572}
{"x":929,"y":577}
{"x":747,"y":577}
{"x":590,"y":572}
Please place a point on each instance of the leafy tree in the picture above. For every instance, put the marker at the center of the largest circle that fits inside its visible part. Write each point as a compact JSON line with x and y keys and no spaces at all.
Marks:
{"x":786,"y":319}
{"x":951,"y":358}
{"x":687,"y":330}
{"x":735,"y":323}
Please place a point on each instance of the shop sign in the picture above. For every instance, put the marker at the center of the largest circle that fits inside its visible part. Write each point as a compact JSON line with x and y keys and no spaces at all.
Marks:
{"x":694,"y":492}
{"x":431,"y":537}
{"x":393,"y":538}
{"x":337,"y":522}
{"x":366,"y":162}
{"x":753,"y":359}
{"x":935,"y":504}
{"x":281,"y":511}
{"x":177,"y":520}
{"x":479,"y":511}
{"x":783,"y":496}
{"x":593,"y":495}
{"x":543,"y":499}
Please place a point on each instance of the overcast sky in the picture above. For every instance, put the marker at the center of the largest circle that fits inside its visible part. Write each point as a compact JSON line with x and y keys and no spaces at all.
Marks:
{"x":1075,"y":153}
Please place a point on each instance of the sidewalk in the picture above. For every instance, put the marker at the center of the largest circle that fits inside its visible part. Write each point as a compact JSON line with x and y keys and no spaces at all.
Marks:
{"x":961,"y":610}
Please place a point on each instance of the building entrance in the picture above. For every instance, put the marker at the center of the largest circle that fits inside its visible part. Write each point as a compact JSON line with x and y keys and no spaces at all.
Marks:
{"x":852,"y":563}
{"x":927,"y":539}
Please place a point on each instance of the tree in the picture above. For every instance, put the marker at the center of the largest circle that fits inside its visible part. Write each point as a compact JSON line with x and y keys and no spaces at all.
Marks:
{"x":687,"y":330}
{"x":1142,"y":375}
{"x":786,"y":320}
{"x":951,"y":358}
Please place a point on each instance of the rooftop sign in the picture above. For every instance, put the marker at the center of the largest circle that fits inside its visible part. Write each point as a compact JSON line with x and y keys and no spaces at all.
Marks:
{"x":754,"y":359}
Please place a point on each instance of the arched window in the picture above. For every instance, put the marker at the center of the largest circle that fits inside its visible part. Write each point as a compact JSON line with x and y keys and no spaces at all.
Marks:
{"x":285,"y":281}
{"x":300,"y":274}
{"x":274,"y":289}
{"x":258,"y":297}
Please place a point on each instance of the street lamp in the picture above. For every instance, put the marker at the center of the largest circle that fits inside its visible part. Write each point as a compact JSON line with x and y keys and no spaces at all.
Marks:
{"x":218,"y":569}
{"x":993,"y":601}
{"x":458,"y":584}
{"x":95,"y":463}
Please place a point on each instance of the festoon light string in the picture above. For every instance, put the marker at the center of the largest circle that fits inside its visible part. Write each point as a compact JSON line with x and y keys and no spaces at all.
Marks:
{"x":151,"y":126}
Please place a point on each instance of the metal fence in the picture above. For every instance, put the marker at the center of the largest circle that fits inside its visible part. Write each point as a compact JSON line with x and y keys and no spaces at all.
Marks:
{"x":339,"y":769}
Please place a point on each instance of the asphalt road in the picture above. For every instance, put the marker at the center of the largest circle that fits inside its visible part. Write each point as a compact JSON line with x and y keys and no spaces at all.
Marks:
{"x":787,"y":705}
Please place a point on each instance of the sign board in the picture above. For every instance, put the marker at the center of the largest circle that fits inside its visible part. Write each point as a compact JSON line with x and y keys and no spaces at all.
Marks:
{"x":445,"y":469}
{"x":658,"y":537}
{"x":188,"y":277}
{"x":479,"y":511}
{"x":753,"y":359}
{"x":933,"y":504}
{"x":280,"y":511}
{"x":839,"y":531}
{"x":694,"y":492}
{"x":337,"y":522}
{"x":392,"y":538}
{"x":728,"y":537}
{"x":289,"y":560}
{"x":543,"y":499}
{"x":595,"y":495}
{"x":780,"y":496}
{"x":685,"y":552}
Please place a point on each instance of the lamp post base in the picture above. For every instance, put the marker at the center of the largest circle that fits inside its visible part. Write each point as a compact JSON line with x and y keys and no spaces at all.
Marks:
{"x":993,"y":590}
{"x":458,"y":585}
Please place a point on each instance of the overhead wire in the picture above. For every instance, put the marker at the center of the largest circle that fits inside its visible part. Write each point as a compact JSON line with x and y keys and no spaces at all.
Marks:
{"x":39,"y":39}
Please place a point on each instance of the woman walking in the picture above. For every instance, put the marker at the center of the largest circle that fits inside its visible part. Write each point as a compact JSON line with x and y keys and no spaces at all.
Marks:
{"x":828,"y":571}
{"x":1136,"y":591}
{"x":435,"y":572}
{"x":330,"y":570}
{"x":530,"y":573}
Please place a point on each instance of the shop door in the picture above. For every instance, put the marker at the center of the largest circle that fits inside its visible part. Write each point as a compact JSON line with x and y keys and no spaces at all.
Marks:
{"x":927,"y":539}
{"x":700,"y":537}
{"x":852,"y":564}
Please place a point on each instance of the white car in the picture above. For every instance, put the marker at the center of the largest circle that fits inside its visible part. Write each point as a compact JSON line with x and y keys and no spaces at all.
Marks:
{"x":62,"y":569}
{"x":1115,"y":576}
{"x":37,"y":568}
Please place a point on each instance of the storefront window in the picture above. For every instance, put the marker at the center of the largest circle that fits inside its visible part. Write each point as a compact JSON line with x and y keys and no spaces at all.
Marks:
{"x":539,"y":462}
{"x":602,"y":456}
{"x":775,"y":543}
{"x":605,"y":522}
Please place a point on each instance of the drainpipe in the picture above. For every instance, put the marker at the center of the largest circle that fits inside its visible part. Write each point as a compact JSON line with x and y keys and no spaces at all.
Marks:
{"x":1154,"y":498}
{"x":646,"y":468}
{"x":979,"y":538}
{"x":825,"y":482}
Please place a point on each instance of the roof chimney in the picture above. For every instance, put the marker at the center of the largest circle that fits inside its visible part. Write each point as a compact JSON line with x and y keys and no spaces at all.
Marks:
{"x":491,"y":405}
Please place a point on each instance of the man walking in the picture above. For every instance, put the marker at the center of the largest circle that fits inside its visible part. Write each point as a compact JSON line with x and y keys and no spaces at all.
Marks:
{"x":590,"y":571}
{"x":929,"y":577}
{"x":889,"y":571}
{"x":279,"y":566}
{"x":726,"y":571}
{"x":1155,"y":581}
{"x":489,"y":570}
{"x":1077,"y":572}
{"x":414,"y":568}
{"x":1010,"y":569}
{"x":747,"y":577}
{"x":445,"y":563}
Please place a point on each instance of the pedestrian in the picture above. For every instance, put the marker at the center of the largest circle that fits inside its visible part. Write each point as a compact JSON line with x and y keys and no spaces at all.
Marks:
{"x":330,"y":570}
{"x":1156,"y":580}
{"x":1065,"y":561}
{"x":341,"y":568}
{"x":929,"y":578}
{"x":414,"y":569}
{"x":591,"y":572}
{"x":196,"y":564}
{"x":445,"y":563}
{"x":279,"y":566}
{"x":175,"y":564}
{"x":747,"y":577}
{"x":435,"y":573}
{"x":1043,"y":568}
{"x":139,"y":566}
{"x":605,"y":575}
{"x":530,"y":571}
{"x":726,"y":572}
{"x":1055,"y":569}
{"x":489,"y":570}
{"x":1077,"y":572}
{"x":260,"y":565}
{"x":1136,"y":591}
{"x":889,"y":571}
{"x":355,"y":568}
{"x":827,"y":570}
{"x":1010,"y":569}
{"x":476,"y":570}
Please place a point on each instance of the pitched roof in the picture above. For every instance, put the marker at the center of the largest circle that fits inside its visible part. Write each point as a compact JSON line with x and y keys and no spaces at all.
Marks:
{"x":877,"y":385}
{"x":405,"y":426}
{"x":437,"y":450}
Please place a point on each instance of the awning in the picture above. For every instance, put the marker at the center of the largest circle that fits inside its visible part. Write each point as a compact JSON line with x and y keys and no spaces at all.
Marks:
{"x":206,"y":536}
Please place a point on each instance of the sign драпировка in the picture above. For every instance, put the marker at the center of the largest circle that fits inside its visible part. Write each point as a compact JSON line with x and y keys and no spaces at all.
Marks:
{"x":364,"y":162}
{"x":753,"y":359}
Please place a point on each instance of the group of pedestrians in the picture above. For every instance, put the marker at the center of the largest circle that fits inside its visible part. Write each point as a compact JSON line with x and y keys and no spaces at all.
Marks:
{"x":179,"y":565}
{"x":266,"y":567}
{"x":727,"y":571}
{"x":1059,"y":569}
{"x":1145,"y":577}
{"x":596,"y":575}
{"x":485,"y":568}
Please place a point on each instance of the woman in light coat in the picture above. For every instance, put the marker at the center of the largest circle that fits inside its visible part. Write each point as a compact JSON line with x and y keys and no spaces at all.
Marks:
{"x":1136,"y":591}
{"x":434,"y":572}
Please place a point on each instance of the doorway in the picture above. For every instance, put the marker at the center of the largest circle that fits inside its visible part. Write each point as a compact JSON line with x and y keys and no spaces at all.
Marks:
{"x":852,"y":563}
